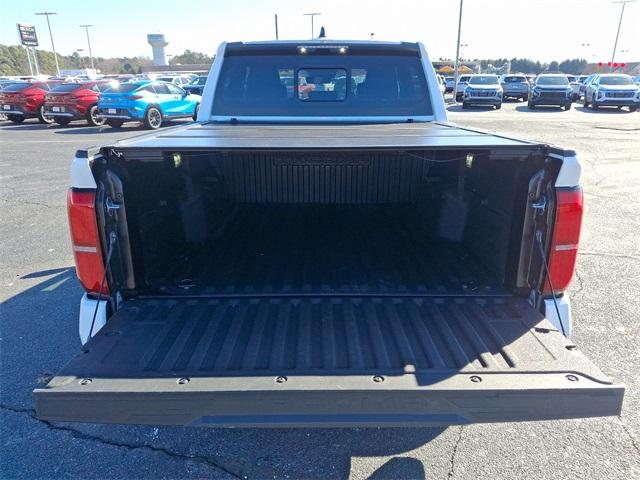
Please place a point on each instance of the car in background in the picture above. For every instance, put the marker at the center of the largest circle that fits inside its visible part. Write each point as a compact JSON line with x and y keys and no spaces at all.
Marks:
{"x":586,"y":82}
{"x":442,"y":85}
{"x":636,"y":79}
{"x":197,"y":85}
{"x":515,"y":86}
{"x":450,"y":82}
{"x":23,"y":100}
{"x":148,"y":102}
{"x":76,"y":101}
{"x":575,"y":85}
{"x":483,"y":90}
{"x":551,"y":89}
{"x":461,"y":85}
{"x":612,"y":90}
{"x":179,"y":80}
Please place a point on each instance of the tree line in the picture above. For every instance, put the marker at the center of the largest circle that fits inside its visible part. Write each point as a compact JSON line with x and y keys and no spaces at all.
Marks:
{"x":575,"y":66}
{"x":13,"y":61}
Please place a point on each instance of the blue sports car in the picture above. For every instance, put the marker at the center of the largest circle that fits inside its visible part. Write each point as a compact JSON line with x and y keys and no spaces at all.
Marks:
{"x":148,"y":102}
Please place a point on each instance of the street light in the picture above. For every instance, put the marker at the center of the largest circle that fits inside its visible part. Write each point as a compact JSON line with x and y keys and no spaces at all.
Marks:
{"x":456,"y":73}
{"x":311,"y":15}
{"x":55,"y":55}
{"x":615,"y":45}
{"x":86,"y":27}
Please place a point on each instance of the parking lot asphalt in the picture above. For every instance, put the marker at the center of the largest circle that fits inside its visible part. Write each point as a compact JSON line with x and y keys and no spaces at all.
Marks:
{"x":38,"y":334}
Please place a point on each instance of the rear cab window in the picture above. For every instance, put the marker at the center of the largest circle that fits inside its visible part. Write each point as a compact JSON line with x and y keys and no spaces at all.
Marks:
{"x":324,"y":83}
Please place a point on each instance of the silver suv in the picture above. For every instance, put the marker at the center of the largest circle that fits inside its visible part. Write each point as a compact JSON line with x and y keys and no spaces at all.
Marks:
{"x":515,"y":86}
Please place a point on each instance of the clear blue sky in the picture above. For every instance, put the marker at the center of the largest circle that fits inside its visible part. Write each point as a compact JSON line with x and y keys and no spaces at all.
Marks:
{"x":539,"y":29}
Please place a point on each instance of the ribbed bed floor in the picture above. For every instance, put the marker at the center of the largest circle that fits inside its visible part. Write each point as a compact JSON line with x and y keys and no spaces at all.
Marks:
{"x":325,"y":249}
{"x":358,"y":335}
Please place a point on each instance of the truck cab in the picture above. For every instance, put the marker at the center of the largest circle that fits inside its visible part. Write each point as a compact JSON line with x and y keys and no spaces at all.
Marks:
{"x":323,"y":248}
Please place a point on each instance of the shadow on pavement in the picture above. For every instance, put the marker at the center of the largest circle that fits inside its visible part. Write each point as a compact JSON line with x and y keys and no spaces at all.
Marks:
{"x":603,"y":110}
{"x":39,"y":332}
{"x":399,"y":467}
{"x":87,"y":130}
{"x":29,"y":126}
{"x":479,"y":108}
{"x":540,"y":109}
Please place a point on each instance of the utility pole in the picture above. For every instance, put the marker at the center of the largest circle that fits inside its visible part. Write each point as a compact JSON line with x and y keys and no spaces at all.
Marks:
{"x":55,"y":55}
{"x":457,"y":64}
{"x":86,"y":27}
{"x":615,"y":45}
{"x":276,"y":15}
{"x":311,"y":15}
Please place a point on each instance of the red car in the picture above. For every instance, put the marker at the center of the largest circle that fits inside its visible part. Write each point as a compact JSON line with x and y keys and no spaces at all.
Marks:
{"x":75,"y":101}
{"x":26,"y":100}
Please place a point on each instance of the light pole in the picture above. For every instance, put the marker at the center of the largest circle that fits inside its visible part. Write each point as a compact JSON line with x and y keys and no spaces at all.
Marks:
{"x":55,"y":55}
{"x":615,"y":45}
{"x":86,"y":28}
{"x":311,"y":15}
{"x":372,"y":34}
{"x":456,"y":73}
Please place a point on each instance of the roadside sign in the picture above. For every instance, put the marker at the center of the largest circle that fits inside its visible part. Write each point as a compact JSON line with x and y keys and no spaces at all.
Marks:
{"x":27,"y":34}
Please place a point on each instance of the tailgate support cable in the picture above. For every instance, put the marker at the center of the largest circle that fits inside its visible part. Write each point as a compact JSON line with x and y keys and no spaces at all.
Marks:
{"x":112,"y":242}
{"x":546,"y":270}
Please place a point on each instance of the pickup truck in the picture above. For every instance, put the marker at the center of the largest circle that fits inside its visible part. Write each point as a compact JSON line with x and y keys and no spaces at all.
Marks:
{"x":332,"y":254}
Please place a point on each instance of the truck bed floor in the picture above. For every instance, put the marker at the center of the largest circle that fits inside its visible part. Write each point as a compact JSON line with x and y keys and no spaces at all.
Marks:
{"x":326,"y":249}
{"x":305,"y":335}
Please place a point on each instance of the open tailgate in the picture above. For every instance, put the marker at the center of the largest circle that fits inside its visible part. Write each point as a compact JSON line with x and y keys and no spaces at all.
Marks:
{"x":327,"y":361}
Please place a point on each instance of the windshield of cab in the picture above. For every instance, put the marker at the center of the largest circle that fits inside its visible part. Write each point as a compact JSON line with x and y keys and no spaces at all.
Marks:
{"x":322,"y":85}
{"x":616,"y":80}
{"x":483,"y":80}
{"x":559,"y":80}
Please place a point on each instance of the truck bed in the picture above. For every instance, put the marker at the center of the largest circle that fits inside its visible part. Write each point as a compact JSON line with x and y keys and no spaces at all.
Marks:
{"x":336,"y":249}
{"x":295,"y":361}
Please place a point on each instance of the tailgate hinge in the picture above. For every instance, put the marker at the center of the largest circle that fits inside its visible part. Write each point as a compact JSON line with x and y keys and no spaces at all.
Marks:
{"x":540,"y":205}
{"x":110,"y":206}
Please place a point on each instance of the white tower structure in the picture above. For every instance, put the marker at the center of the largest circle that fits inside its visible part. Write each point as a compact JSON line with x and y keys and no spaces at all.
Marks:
{"x":157,"y":42}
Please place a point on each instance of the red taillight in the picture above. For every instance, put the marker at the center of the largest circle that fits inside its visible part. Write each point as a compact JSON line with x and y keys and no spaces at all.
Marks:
{"x":85,"y":240}
{"x":563,"y":251}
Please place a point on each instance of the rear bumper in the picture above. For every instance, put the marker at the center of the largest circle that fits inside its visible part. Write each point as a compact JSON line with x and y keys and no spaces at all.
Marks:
{"x":122,"y":113}
{"x":16,"y":110}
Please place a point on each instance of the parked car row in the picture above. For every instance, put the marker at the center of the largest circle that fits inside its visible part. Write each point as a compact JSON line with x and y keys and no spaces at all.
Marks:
{"x":599,"y":90}
{"x":150,"y":102}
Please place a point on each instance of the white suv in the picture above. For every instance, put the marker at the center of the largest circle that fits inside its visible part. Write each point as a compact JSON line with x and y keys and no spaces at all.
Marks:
{"x":612,"y":90}
{"x":483,"y":90}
